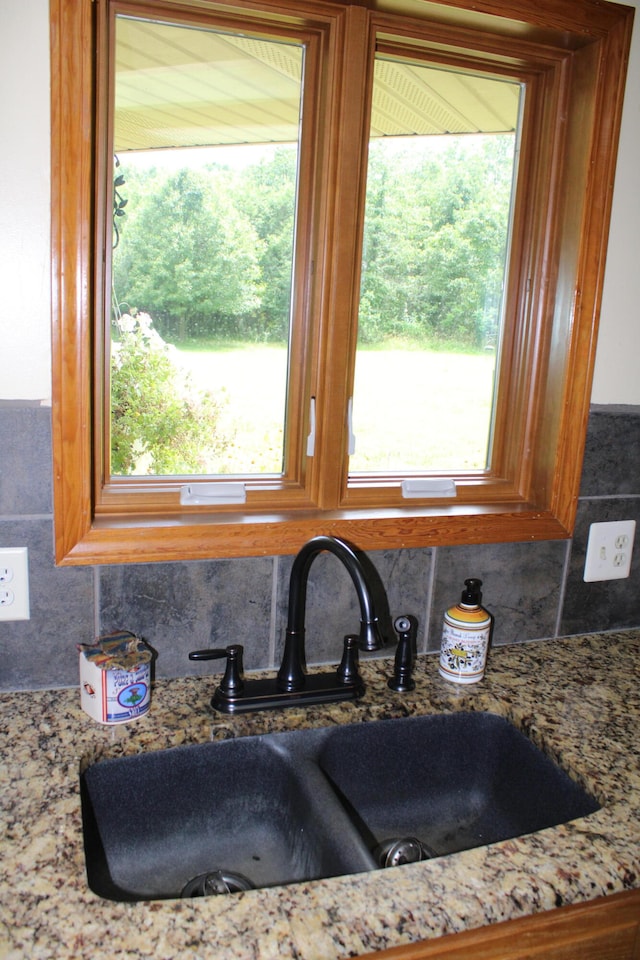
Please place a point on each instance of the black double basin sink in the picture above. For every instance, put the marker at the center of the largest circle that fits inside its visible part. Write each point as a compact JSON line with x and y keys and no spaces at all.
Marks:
{"x":292,"y":807}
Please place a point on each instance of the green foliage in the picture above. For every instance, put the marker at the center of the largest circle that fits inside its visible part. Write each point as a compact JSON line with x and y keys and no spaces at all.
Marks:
{"x":159,"y":423}
{"x":435,"y":240}
{"x":187,"y":256}
{"x":209,"y":253}
{"x":267,"y":198}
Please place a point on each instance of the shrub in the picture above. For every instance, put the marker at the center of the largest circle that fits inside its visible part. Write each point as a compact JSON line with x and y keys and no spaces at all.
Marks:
{"x":160,"y":423}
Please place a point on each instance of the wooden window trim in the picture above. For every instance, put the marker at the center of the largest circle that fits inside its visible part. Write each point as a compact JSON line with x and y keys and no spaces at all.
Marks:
{"x":607,"y":928}
{"x":587,"y":45}
{"x":132,"y":494}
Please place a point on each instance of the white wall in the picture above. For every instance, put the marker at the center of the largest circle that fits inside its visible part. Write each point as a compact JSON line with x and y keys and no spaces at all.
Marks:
{"x":617,"y":378}
{"x":24,"y":222}
{"x":24,"y":201}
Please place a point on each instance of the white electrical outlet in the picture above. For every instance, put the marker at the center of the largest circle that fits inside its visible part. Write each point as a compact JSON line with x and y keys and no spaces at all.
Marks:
{"x":609,"y":550}
{"x":14,"y":583}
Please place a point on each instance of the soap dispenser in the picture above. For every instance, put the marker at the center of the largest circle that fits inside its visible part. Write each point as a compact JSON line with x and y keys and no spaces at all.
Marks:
{"x":466,"y":633}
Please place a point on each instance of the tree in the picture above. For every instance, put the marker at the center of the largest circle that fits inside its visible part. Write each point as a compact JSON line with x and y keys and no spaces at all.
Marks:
{"x":210,"y":253}
{"x":187,"y":256}
{"x":434,"y":243}
{"x":267,"y":197}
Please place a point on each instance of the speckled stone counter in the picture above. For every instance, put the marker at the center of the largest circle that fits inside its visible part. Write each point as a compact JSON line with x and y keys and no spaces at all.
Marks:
{"x":578,"y":699}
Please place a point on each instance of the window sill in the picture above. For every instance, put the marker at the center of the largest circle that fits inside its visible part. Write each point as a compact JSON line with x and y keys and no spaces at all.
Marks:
{"x":201,"y":536}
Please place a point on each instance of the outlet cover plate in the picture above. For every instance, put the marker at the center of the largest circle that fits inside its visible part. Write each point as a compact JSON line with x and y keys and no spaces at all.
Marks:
{"x":609,"y":550}
{"x":14,"y":583}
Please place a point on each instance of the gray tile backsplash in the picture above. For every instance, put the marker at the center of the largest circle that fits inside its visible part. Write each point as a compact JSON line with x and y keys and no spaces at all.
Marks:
{"x":608,"y":604}
{"x":612,"y":454}
{"x":535,"y":590}
{"x":25,"y":462}
{"x":521,"y":587}
{"x":179,"y":607}
{"x":41,"y":651}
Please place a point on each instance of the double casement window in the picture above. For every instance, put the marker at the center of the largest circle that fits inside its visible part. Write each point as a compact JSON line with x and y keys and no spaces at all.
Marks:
{"x":323,"y":267}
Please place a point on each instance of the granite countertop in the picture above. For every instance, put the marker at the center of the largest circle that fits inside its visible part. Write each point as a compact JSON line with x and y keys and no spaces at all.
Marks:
{"x":577,"y":698}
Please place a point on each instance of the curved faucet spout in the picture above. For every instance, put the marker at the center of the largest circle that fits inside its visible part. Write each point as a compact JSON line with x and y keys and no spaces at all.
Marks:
{"x":291,"y":675}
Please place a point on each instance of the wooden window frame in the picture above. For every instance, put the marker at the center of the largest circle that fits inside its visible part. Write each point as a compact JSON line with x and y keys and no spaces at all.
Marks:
{"x":573,"y":55}
{"x":136,"y":494}
{"x":607,"y":928}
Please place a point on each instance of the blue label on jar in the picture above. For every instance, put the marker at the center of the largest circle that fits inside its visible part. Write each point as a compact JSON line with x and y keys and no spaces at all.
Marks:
{"x":127,"y":694}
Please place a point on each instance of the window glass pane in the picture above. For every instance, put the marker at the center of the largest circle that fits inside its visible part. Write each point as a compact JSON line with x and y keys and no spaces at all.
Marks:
{"x":206,"y":130}
{"x":441,"y":164}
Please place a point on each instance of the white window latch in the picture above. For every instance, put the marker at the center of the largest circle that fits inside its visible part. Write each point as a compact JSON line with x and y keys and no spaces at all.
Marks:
{"x":213,"y":494}
{"x":428,"y":487}
{"x":311,"y":439}
{"x":351,"y":437}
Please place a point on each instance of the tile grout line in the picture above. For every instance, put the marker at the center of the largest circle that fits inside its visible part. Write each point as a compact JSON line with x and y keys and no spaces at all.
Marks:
{"x":274,"y":613}
{"x":563,"y":586}
{"x":429,"y":598}
{"x":610,"y":496}
{"x":96,"y":600}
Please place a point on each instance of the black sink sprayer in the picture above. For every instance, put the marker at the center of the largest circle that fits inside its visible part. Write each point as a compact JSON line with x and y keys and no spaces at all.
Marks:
{"x":466,"y":635}
{"x":401,"y":681}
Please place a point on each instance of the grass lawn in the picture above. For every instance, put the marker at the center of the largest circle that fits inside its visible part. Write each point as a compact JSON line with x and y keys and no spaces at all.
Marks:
{"x":413,"y":409}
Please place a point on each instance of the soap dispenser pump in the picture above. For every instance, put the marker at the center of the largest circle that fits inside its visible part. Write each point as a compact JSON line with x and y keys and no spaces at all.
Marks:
{"x":466,"y":633}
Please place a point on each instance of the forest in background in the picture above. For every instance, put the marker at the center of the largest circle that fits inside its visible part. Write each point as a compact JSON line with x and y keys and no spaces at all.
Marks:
{"x":207,"y":252}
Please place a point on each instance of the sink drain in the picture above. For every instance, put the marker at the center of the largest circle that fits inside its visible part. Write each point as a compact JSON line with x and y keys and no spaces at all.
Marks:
{"x":393,"y":853}
{"x":216,"y":882}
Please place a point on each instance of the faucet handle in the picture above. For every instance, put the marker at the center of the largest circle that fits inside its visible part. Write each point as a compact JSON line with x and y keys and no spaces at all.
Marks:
{"x":214,"y":653}
{"x":348,"y":669}
{"x":232,"y":683}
